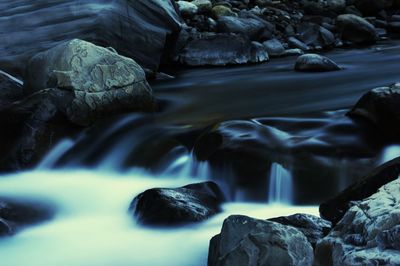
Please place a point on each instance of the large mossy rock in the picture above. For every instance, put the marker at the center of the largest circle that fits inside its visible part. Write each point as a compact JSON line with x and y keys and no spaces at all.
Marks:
{"x":97,"y":81}
{"x":380,"y":107}
{"x":335,"y":208}
{"x":368,"y":234}
{"x":173,"y":206}
{"x":248,"y":241}
{"x":141,"y":29}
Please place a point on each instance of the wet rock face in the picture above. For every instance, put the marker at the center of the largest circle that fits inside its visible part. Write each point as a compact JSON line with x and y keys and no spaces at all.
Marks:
{"x":335,"y":208}
{"x":100,"y":82}
{"x":173,"y":206}
{"x":221,"y":49}
{"x":315,"y":63}
{"x":314,"y":228}
{"x":367,"y":234}
{"x":247,"y":241}
{"x":356,"y":29}
{"x":16,"y":214}
{"x":10,"y":90}
{"x":141,"y":29}
{"x":380,"y":107}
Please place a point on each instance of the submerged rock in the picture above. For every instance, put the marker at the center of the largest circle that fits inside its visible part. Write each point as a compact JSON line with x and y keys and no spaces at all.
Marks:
{"x":367,"y":234}
{"x":96,"y":81}
{"x":335,"y":208}
{"x":173,"y":206}
{"x":17,"y":214}
{"x":356,"y":29}
{"x":141,"y":29}
{"x":380,"y":107}
{"x":313,"y":227}
{"x":315,"y":63}
{"x":220,"y":50}
{"x":248,"y":241}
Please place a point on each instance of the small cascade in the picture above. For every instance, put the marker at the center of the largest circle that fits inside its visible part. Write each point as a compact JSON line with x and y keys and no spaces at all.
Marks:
{"x":280,"y":185}
{"x":186,"y":165}
{"x":55,"y":154}
{"x":390,"y":153}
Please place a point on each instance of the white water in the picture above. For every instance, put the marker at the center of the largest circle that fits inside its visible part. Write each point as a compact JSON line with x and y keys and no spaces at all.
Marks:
{"x":92,"y":226}
{"x":280,"y":188}
{"x":390,"y":153}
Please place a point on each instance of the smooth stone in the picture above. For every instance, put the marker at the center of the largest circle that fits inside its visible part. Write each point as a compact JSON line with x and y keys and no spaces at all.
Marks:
{"x":274,"y":48}
{"x":173,"y":206}
{"x":221,"y":10}
{"x":356,"y":29}
{"x":245,"y":26}
{"x":315,"y":63}
{"x":248,"y":241}
{"x":204,"y":6}
{"x":187,"y":9}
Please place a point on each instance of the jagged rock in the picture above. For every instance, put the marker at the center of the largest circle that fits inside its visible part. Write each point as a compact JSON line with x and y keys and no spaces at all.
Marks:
{"x":367,"y":234}
{"x":380,"y":107}
{"x":314,"y":228}
{"x":172,"y":206}
{"x":219,"y":50}
{"x":248,"y":241}
{"x":356,"y":29}
{"x":141,"y":29}
{"x":335,"y":208}
{"x":315,"y":63}
{"x":10,"y":89}
{"x":97,"y":80}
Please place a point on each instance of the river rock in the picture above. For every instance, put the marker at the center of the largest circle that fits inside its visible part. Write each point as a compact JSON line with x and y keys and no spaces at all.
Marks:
{"x":173,"y":206}
{"x":356,"y":29}
{"x":204,"y":6}
{"x":274,"y":47}
{"x":99,"y":82}
{"x":17,"y":214}
{"x":219,"y":50}
{"x":315,"y":63}
{"x":335,"y":208}
{"x":10,"y":89}
{"x":248,"y":241}
{"x":187,"y":9}
{"x":380,"y":107}
{"x":247,"y":26}
{"x":142,"y":29}
{"x":313,"y":227}
{"x":221,"y":10}
{"x":367,"y":234}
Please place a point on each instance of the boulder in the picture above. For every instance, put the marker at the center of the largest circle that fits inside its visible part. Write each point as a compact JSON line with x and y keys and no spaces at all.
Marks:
{"x":380,"y":108}
{"x":142,"y":29}
{"x":187,"y":9}
{"x":367,"y":234}
{"x":314,"y":228}
{"x":335,"y":208}
{"x":10,"y":89}
{"x":173,"y":206}
{"x":97,"y":81}
{"x":245,"y":26}
{"x":274,"y":48}
{"x":220,"y":50}
{"x":204,"y":6}
{"x":356,"y":29}
{"x":17,"y":214}
{"x":248,"y":241}
{"x":315,"y":63}
{"x":221,"y":10}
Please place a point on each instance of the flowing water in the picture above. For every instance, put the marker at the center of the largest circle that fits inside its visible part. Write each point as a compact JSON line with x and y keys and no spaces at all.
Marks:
{"x":91,"y":179}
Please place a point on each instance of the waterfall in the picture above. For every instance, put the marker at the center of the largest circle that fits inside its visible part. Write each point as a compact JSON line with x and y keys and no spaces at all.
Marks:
{"x":280,"y":189}
{"x":186,"y":165}
{"x":55,"y":154}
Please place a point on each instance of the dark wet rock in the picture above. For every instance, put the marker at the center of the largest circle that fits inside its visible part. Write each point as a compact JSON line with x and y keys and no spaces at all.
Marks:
{"x":204,"y":6}
{"x":295,"y":43}
{"x":315,"y":63}
{"x":142,"y":29}
{"x":356,"y":29}
{"x":248,"y":241}
{"x":187,"y":9}
{"x":10,"y":89}
{"x":335,"y":208}
{"x":274,"y":48}
{"x":367,"y":234}
{"x":219,"y":50}
{"x":17,"y":214}
{"x":314,"y":228}
{"x":247,"y":26}
{"x":380,"y":107}
{"x":97,"y":81}
{"x":222,"y":10}
{"x":314,"y":35}
{"x":173,"y":206}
